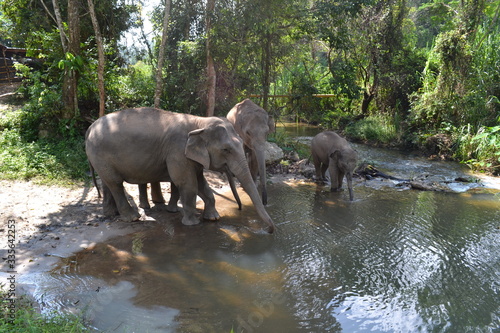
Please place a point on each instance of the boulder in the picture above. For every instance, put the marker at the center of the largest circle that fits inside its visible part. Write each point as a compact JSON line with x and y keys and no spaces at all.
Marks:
{"x":273,"y":153}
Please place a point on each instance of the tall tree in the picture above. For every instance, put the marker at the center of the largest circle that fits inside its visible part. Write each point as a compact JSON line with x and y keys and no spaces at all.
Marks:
{"x":161,"y":55}
{"x":211,"y":74}
{"x":70,"y":83}
{"x":101,"y":59}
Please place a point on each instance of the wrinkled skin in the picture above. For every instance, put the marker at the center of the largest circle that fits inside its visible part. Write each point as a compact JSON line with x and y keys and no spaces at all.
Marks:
{"x":174,"y":148}
{"x":332,"y":152}
{"x":253,"y":124}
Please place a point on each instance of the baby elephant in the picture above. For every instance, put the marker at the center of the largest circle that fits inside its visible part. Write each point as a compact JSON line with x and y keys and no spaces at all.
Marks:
{"x":330,"y":151}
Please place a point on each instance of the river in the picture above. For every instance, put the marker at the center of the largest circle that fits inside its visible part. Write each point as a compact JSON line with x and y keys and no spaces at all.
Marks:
{"x":393,"y":260}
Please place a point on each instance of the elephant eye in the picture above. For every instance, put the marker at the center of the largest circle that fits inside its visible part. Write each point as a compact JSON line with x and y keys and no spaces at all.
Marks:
{"x":226,"y":150}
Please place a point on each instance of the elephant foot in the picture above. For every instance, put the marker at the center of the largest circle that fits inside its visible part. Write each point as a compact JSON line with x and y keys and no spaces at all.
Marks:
{"x":190,"y":221}
{"x":211,"y":215}
{"x":130,"y":216}
{"x":172,"y":208}
{"x":110,"y":212}
{"x":145,"y":206}
{"x":339,"y":189}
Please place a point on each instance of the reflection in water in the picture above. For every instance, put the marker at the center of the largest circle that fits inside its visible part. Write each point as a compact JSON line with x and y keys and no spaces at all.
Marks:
{"x":391,"y":261}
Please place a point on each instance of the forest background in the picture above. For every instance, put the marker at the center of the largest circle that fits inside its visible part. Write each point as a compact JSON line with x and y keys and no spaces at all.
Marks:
{"x":419,"y":74}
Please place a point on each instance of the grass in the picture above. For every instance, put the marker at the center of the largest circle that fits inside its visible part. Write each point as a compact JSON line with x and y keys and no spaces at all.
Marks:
{"x":373,"y":129}
{"x":20,"y":316}
{"x":59,"y":159}
{"x":48,"y":161}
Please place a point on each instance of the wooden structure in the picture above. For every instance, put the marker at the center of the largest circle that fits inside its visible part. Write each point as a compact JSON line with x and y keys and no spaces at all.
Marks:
{"x":7,"y":57}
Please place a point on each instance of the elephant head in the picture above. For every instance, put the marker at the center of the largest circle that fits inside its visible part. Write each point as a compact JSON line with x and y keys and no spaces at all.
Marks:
{"x":218,"y":147}
{"x":342,"y":163}
{"x":253,"y":124}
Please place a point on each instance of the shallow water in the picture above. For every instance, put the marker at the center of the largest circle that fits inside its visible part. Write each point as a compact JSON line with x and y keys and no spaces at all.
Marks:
{"x":391,"y":261}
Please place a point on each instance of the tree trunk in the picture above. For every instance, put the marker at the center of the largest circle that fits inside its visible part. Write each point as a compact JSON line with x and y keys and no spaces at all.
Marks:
{"x":59,"y":22}
{"x":367,"y":98}
{"x":70,"y":83}
{"x":100,"y":52}
{"x":161,"y":55}
{"x":266,"y":73}
{"x":211,"y":75}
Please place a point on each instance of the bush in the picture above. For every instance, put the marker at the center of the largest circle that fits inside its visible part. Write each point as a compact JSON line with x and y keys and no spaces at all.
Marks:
{"x":373,"y":129}
{"x":45,"y":160}
{"x":480,"y":151}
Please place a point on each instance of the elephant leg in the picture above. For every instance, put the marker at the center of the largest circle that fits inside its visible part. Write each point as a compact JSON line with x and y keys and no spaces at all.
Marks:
{"x":253,"y":165}
{"x":334,"y":178}
{"x":188,"y":198}
{"x":143,"y":196}
{"x":156,"y":194}
{"x":324,"y":167}
{"x":185,"y":179}
{"x":206,"y":194}
{"x":108,"y":202}
{"x":127,"y":213}
{"x":341,"y":175}
{"x":317,"y":168}
{"x":174,"y":198}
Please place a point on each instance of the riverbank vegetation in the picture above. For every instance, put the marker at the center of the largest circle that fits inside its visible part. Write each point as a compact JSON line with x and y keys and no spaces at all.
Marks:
{"x":420,"y":74}
{"x":19,"y":315}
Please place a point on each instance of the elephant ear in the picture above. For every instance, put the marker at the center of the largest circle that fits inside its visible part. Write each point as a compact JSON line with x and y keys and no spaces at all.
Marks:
{"x":335,"y":155}
{"x":196,"y":148}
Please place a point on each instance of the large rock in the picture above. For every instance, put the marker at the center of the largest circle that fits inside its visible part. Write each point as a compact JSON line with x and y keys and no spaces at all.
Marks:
{"x":273,"y":153}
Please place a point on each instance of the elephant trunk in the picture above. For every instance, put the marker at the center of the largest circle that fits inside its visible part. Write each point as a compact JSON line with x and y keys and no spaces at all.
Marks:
{"x":242,"y":173}
{"x":261,"y":162}
{"x":349,"y":185}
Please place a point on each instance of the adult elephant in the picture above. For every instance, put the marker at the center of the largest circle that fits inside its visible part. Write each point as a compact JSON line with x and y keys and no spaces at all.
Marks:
{"x":330,"y":151}
{"x":147,"y":145}
{"x":253,"y":124}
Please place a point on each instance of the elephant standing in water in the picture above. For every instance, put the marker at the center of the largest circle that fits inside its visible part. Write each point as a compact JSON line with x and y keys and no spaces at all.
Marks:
{"x":332,"y":152}
{"x":253,"y":124}
{"x":147,"y":145}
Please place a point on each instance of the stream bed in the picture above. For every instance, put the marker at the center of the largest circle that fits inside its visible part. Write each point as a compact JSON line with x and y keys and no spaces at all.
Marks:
{"x":393,"y":260}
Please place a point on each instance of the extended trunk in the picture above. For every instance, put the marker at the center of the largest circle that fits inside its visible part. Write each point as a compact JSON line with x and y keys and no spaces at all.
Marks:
{"x":242,"y":172}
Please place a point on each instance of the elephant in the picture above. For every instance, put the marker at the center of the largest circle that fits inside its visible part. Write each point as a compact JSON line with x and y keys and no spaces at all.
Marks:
{"x":331,"y":151}
{"x":175,"y":147}
{"x":253,"y":124}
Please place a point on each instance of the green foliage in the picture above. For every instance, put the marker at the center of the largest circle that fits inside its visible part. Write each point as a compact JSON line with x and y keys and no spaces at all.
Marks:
{"x":26,"y":319}
{"x":481,"y":151}
{"x":46,"y":160}
{"x":374,"y":129}
{"x":134,"y":87}
{"x":399,"y":70}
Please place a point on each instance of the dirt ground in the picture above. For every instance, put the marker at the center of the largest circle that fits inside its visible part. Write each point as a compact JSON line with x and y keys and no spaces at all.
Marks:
{"x":51,"y":222}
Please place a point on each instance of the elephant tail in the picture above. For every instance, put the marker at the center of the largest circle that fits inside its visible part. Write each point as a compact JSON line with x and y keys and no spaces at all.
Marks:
{"x":92,"y":172}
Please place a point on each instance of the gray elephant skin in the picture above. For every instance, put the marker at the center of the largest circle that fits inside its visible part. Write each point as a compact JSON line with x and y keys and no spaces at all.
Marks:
{"x":147,"y":145}
{"x":333,"y":153}
{"x":253,"y":124}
